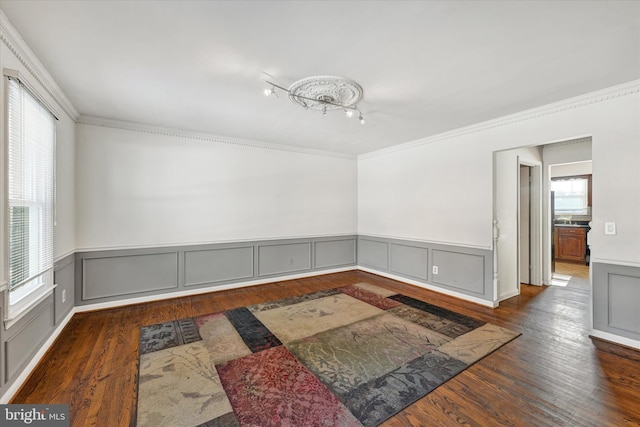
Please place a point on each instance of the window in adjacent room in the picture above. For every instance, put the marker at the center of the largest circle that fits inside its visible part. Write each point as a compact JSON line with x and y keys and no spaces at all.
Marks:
{"x":30,"y":196}
{"x":572,"y":195}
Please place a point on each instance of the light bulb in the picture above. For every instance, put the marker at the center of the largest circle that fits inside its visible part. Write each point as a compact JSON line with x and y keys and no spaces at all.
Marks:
{"x":348,"y":113}
{"x":361,"y":119}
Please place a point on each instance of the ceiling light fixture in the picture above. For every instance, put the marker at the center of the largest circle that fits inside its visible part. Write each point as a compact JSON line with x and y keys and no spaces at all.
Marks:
{"x":271,"y":91}
{"x":324,"y":93}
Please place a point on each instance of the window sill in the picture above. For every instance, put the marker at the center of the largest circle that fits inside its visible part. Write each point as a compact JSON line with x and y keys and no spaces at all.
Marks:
{"x":24,"y":306}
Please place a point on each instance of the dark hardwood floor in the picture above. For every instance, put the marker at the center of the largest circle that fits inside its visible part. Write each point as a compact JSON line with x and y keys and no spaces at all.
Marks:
{"x":552,"y":375}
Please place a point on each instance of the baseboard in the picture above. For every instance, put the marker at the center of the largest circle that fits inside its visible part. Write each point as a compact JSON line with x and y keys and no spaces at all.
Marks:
{"x":616,"y":339}
{"x":19,"y":381}
{"x":509,"y":295}
{"x":431,"y":287}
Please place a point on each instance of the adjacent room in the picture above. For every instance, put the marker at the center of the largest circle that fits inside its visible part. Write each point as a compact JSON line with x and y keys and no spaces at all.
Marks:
{"x":320,"y":213}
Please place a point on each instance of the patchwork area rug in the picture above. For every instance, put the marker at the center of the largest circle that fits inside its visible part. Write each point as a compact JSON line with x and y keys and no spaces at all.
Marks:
{"x":350,"y":356}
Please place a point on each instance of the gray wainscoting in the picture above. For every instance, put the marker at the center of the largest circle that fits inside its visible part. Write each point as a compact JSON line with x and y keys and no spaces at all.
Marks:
{"x":207,"y":266}
{"x":124,"y":273}
{"x":616,"y":299}
{"x":334,"y":253}
{"x":373,"y":253}
{"x":29,"y":336}
{"x":283,"y":258}
{"x":460,"y":269}
{"x":64,"y":278}
{"x":24,"y":339}
{"x":105,"y":276}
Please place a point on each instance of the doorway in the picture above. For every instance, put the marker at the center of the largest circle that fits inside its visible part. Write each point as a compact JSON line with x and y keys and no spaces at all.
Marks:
{"x":510,"y":249}
{"x":570,"y":214}
{"x":518,"y":226}
{"x":524,"y":228}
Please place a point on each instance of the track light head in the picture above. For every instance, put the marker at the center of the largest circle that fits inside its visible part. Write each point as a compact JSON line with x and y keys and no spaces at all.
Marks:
{"x":271,"y":91}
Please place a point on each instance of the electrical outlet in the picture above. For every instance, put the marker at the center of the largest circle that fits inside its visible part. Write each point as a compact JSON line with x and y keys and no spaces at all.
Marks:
{"x":610,"y":228}
{"x":64,"y":295}
{"x":435,"y":269}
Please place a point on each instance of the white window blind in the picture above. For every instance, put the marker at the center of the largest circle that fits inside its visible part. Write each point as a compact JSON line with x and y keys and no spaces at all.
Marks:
{"x":30,"y":192}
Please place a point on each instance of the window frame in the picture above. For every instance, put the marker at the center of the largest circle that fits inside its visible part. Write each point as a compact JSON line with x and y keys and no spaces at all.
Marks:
{"x":588,"y":177}
{"x":20,"y":299}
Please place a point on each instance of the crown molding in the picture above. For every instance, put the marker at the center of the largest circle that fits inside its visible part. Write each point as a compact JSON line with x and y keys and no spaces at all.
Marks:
{"x":179,"y":133}
{"x":562,"y":144}
{"x":603,"y":95}
{"x":16,"y":44}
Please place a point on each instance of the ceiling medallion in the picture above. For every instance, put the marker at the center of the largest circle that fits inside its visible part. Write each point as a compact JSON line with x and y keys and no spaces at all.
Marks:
{"x":324,"y":93}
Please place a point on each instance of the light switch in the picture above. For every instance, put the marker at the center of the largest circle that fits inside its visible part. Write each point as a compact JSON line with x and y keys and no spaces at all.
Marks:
{"x":610,"y":228}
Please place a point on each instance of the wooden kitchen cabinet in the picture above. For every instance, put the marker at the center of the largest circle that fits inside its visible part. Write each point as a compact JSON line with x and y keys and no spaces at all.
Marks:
{"x":571,"y":244}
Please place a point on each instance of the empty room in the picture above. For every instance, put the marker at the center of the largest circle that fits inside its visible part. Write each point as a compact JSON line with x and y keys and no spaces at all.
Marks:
{"x":320,"y":213}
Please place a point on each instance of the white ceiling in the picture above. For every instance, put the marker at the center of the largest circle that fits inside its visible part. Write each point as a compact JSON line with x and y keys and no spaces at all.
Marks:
{"x":426,"y":67}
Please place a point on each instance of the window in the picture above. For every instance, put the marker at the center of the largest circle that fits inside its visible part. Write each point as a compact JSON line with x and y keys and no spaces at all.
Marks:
{"x":30,"y":195}
{"x":572,"y":195}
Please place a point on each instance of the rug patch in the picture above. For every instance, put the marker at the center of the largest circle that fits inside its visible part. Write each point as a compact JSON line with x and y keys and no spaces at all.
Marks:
{"x":256,"y":308}
{"x":369,"y":297}
{"x":476,"y":344}
{"x":443,"y":313}
{"x":253,"y":332}
{"x":346,"y":357}
{"x":307,"y":318}
{"x":381,"y":398}
{"x":226,"y":420}
{"x":447,"y":328}
{"x":375,"y":289}
{"x":221,"y":338}
{"x":272,"y":388}
{"x":182,"y":374}
{"x":168,"y":334}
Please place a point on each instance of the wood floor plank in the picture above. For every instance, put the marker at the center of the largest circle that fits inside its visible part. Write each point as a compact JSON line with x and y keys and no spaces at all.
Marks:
{"x":552,"y":375}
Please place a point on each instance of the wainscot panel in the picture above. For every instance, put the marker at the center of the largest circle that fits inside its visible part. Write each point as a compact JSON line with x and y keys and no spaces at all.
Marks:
{"x":334,"y":253}
{"x":283,"y":258}
{"x":461,"y":270}
{"x":217,"y":265}
{"x":616,"y":299}
{"x":410,"y":261}
{"x":373,"y":253}
{"x":27,"y":335}
{"x":110,"y":275}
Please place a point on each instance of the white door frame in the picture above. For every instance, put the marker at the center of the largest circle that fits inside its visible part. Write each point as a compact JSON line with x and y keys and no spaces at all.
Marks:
{"x":535,"y":219}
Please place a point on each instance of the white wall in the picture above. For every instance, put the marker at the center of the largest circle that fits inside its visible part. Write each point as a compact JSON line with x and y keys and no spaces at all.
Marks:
{"x":65,"y":237}
{"x":570,"y":169}
{"x":434,"y":192}
{"x":137,"y":188}
{"x":440,"y":189}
